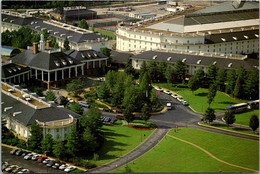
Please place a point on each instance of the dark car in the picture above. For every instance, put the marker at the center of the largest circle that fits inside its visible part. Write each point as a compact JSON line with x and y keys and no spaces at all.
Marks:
{"x":50,"y":163}
{"x":107,"y":110}
{"x":107,"y":119}
{"x":113,"y":120}
{"x":119,"y":111}
{"x":25,"y":153}
{"x":19,"y":153}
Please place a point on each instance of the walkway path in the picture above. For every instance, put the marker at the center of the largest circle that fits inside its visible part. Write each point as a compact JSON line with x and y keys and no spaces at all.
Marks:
{"x":140,"y":150}
{"x":208,"y":153}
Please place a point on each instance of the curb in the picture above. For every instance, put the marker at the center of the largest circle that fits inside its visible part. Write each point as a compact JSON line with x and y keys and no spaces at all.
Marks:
{"x":226,"y":130}
{"x":14,"y":147}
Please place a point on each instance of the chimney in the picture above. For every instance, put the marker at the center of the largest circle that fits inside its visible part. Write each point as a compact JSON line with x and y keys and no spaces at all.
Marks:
{"x":35,"y":48}
{"x":48,"y":44}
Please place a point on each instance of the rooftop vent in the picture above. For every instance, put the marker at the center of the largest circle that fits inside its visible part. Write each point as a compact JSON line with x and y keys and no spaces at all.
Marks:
{"x":198,"y":62}
{"x":235,"y":38}
{"x":57,"y":64}
{"x":246,"y":37}
{"x":43,"y":29}
{"x":16,"y":113}
{"x":184,"y":60}
{"x":154,"y":57}
{"x":7,"y":108}
{"x":215,"y":62}
{"x":37,"y":27}
{"x":230,"y":65}
{"x":169,"y":58}
{"x":49,"y":31}
{"x":223,"y":39}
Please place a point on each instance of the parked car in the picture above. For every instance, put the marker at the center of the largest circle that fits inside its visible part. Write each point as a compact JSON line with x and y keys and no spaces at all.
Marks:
{"x":120,"y":116}
{"x":5,"y":165}
{"x":119,"y":111}
{"x":69,"y":169}
{"x":36,"y":157}
{"x":25,"y":153}
{"x":19,"y":152}
{"x":167,"y":92}
{"x":113,"y":120}
{"x":28,"y":156}
{"x":17,"y":169}
{"x":84,"y":104}
{"x":174,"y":95}
{"x":42,"y":158}
{"x":63,"y":166}
{"x":24,"y":171}
{"x":179,"y":99}
{"x":13,"y":151}
{"x":107,"y":119}
{"x":50,"y":163}
{"x":185,"y":103}
{"x":46,"y":161}
{"x":11,"y":168}
{"x":57,"y":165}
{"x":107,"y":110}
{"x":158,"y":89}
{"x":161,"y":8}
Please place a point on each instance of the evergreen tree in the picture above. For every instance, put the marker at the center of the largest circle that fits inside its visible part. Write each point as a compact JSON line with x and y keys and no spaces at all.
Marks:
{"x":241,"y":78}
{"x":252,"y":85}
{"x":103,"y":91}
{"x":47,"y":144}
{"x":75,"y":86}
{"x":132,"y":98}
{"x":161,"y":70}
{"x":212,"y":93}
{"x":153,"y":70}
{"x":118,"y":93}
{"x":229,"y":117}
{"x":143,"y":69}
{"x":89,"y":141}
{"x":45,"y":34}
{"x":211,"y":73}
{"x":209,"y":115}
{"x":59,"y":149}
{"x":93,"y":120}
{"x":220,"y":79}
{"x":193,"y":84}
{"x":170,"y":74}
{"x":200,"y":76}
{"x":145,"y":113}
{"x":129,"y":70}
{"x":105,"y":51}
{"x":66,"y":44}
{"x":51,"y":96}
{"x":153,"y":98}
{"x":83,"y":24}
{"x":77,"y":108}
{"x":34,"y":142}
{"x":145,"y":85}
{"x":238,"y":91}
{"x":254,"y":122}
{"x":231,"y":81}
{"x":180,"y":71}
{"x":129,"y":117}
{"x":111,"y":79}
{"x":128,"y":82}
{"x":73,"y":142}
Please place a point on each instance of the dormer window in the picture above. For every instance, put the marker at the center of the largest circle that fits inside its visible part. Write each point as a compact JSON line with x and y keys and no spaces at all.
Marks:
{"x":56,"y":32}
{"x":19,"y":68}
{"x":89,"y":55}
{"x":223,"y":39}
{"x":14,"y":69}
{"x":230,"y":65}
{"x":199,"y":61}
{"x":16,"y":113}
{"x":235,"y":38}
{"x":64,"y":62}
{"x":169,"y":58}
{"x":256,"y":35}
{"x":11,"y":21}
{"x":57,"y":64}
{"x":246,"y":37}
{"x":82,"y":55}
{"x":214,"y":63}
{"x":154,"y":57}
{"x":184,"y":60}
{"x":95,"y":54}
{"x":9,"y":70}
{"x":62,"y":35}
{"x":71,"y":61}
{"x":7,"y":108}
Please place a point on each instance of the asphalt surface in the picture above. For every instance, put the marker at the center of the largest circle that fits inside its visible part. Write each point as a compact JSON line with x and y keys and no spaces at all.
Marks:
{"x":33,"y":166}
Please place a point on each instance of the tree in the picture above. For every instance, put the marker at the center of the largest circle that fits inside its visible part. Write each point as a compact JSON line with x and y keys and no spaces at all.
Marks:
{"x":145,"y":112}
{"x":200,"y":76}
{"x":180,"y":70}
{"x":111,"y":79}
{"x":229,"y":117}
{"x":73,"y":142}
{"x":252,"y":85}
{"x":143,"y":69}
{"x":129,"y":70}
{"x":114,"y":46}
{"x":133,"y":99}
{"x":161,"y":70}
{"x":83,"y":24}
{"x":47,"y":144}
{"x":129,"y":117}
{"x":118,"y":93}
{"x":211,"y":73}
{"x":170,"y":74}
{"x":145,"y":85}
{"x":193,"y":84}
{"x":45,"y":34}
{"x":76,"y":86}
{"x":77,"y":108}
{"x":103,"y":91}
{"x":51,"y":96}
{"x":153,"y":70}
{"x":59,"y":149}
{"x":231,"y":81}
{"x":238,"y":90}
{"x":254,"y":122}
{"x":105,"y":51}
{"x":220,"y":79}
{"x":89,"y":141}
{"x":66,"y":44}
{"x":93,"y":120}
{"x":38,"y":91}
{"x":34,"y":142}
{"x":210,"y":115}
{"x":212,"y":93}
{"x":153,"y":98}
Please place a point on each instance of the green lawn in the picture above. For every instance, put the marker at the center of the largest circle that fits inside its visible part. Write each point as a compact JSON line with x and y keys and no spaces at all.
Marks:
{"x":119,"y":141}
{"x":176,"y":156}
{"x":244,"y":118}
{"x":109,"y":34}
{"x":199,"y":101}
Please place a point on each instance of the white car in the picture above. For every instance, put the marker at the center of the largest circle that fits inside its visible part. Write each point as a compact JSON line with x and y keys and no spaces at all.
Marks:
{"x":179,"y":99}
{"x":29,"y":156}
{"x":174,"y":95}
{"x":63,"y":166}
{"x":84,"y":104}
{"x":69,"y":169}
{"x":35,"y":157}
{"x":158,"y":89}
{"x":167,"y":92}
{"x":46,"y":161}
{"x":24,"y":171}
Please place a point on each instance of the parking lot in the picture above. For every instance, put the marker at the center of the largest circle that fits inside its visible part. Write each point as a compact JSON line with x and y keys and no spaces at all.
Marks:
{"x":33,"y":166}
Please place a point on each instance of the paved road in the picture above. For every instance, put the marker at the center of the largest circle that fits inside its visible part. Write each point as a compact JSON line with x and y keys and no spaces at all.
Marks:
{"x":33,"y":166}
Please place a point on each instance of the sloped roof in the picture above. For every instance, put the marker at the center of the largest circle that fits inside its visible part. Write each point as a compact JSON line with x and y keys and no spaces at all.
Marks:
{"x":194,"y":59}
{"x":44,"y":60}
{"x":16,"y":20}
{"x":12,"y":69}
{"x":120,"y":57}
{"x":85,"y":55}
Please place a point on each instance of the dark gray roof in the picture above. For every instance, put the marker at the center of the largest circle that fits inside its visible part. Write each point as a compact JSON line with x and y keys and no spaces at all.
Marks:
{"x":16,"y":20}
{"x":44,"y":60}
{"x":38,"y":24}
{"x":12,"y":69}
{"x":194,"y":59}
{"x":120,"y":57}
{"x":232,"y":36}
{"x":78,"y":12}
{"x":85,"y":55}
{"x":29,"y":114}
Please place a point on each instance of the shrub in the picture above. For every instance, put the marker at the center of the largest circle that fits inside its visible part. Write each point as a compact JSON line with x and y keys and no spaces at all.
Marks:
{"x":78,"y":171}
{"x":147,"y":123}
{"x":90,"y":164}
{"x":14,"y":141}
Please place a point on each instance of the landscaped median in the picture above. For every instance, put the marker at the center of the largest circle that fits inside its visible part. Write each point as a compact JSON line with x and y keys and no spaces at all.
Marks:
{"x":221,"y":101}
{"x":212,"y":153}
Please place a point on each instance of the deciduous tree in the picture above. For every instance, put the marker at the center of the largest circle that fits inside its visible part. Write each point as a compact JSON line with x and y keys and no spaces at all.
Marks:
{"x":83,"y":24}
{"x":47,"y":144}
{"x":200,"y":76}
{"x":254,"y":122}
{"x":193,"y":84}
{"x":211,"y":73}
{"x":66,"y":44}
{"x":76,"y":86}
{"x":103,"y":91}
{"x":105,"y":51}
{"x":229,"y":118}
{"x":220,"y":79}
{"x":145,"y":112}
{"x":77,"y":108}
{"x":212,"y":93}
{"x":209,"y":115}
{"x":170,"y":74}
{"x":180,"y":70}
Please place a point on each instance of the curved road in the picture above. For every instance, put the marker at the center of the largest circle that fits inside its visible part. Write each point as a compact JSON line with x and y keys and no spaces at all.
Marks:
{"x":180,"y":116}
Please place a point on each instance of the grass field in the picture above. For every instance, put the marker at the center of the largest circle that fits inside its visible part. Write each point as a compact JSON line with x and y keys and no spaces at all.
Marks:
{"x":244,"y":118}
{"x":220,"y":102}
{"x":109,"y":34}
{"x":176,"y":156}
{"x":119,"y":141}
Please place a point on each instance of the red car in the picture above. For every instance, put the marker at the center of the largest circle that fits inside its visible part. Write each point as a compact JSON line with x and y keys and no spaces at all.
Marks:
{"x":42,"y":158}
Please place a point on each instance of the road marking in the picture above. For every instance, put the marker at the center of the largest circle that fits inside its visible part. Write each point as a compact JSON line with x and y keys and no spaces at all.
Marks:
{"x":207,"y":152}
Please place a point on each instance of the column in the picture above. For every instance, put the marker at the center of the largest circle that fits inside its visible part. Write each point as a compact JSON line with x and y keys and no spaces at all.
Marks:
{"x":106,"y":62}
{"x":19,"y":79}
{"x":99,"y":63}
{"x":94,"y":63}
{"x":14,"y":80}
{"x":76,"y":71}
{"x":24,"y":77}
{"x":82,"y":69}
{"x":30,"y":72}
{"x":55,"y":75}
{"x":28,"y":77}
{"x":69,"y":73}
{"x":42,"y":76}
{"x":36,"y":74}
{"x":87,"y":65}
{"x":62,"y":74}
{"x":49,"y":77}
